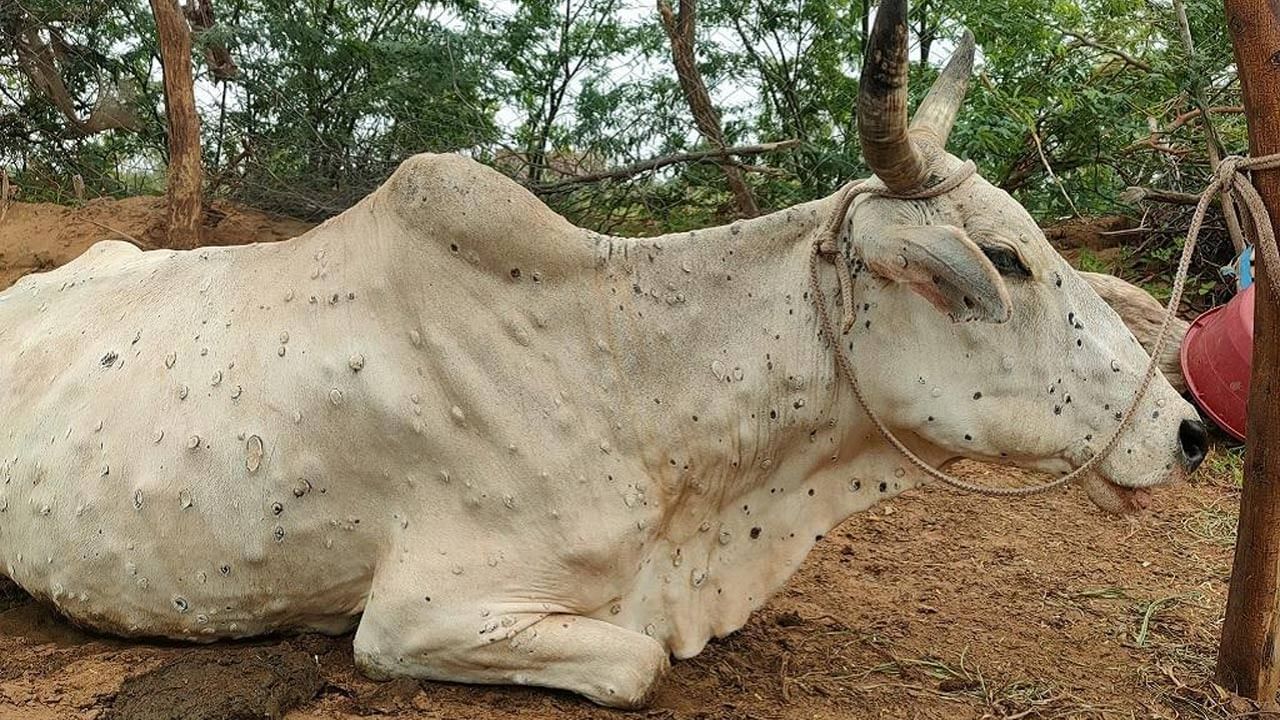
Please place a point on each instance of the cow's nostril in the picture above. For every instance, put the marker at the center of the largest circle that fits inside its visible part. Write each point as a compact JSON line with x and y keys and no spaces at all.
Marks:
{"x":1193,"y":441}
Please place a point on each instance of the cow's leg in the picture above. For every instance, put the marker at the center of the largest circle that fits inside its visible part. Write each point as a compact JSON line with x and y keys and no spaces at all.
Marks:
{"x":606,"y":663}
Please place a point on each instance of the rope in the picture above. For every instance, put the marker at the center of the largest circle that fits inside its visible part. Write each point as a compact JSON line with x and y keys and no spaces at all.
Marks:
{"x":826,"y":247}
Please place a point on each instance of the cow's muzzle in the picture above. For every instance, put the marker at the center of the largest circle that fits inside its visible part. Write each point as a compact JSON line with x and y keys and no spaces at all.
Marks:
{"x":1193,"y":442}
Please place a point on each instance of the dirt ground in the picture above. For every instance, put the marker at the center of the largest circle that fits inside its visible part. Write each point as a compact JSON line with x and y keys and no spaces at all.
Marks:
{"x":934,"y":605}
{"x":41,"y":236}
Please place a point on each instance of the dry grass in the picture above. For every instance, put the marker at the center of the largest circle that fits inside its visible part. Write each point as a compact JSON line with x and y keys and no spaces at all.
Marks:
{"x":1224,"y":467}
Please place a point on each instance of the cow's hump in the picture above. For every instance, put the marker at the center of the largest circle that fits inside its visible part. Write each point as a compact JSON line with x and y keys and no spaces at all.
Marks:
{"x":467,"y":209}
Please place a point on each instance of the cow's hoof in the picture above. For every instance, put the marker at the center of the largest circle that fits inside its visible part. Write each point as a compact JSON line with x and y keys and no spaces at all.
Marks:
{"x":368,"y":666}
{"x":634,"y":688}
{"x":646,"y":697}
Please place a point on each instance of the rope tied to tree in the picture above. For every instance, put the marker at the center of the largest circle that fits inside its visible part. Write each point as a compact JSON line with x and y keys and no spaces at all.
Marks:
{"x":826,"y":247}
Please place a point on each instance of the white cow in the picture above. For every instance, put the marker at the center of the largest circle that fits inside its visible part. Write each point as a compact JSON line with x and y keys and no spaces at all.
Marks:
{"x":508,"y":450}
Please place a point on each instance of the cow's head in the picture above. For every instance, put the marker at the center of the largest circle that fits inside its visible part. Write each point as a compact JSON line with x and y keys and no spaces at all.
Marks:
{"x":973,"y":334}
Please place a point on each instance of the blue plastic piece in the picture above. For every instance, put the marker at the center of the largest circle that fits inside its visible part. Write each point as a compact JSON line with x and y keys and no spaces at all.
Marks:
{"x":1244,"y":269}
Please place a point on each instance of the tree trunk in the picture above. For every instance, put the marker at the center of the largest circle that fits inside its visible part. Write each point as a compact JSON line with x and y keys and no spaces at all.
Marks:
{"x":680,"y":30}
{"x":866,"y":30}
{"x":1247,"y":661}
{"x":185,"y":174}
{"x":4,"y":193}
{"x":925,"y":36}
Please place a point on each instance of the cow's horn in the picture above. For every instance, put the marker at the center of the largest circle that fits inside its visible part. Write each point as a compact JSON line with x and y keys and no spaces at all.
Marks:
{"x":882,"y":103}
{"x":937,"y":112}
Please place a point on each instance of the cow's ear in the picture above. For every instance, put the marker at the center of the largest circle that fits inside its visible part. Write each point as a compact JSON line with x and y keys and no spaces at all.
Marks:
{"x":941,"y":264}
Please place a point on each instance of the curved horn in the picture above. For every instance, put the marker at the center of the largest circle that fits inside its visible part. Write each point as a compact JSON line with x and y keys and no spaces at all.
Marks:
{"x":882,"y":103}
{"x":937,"y":112}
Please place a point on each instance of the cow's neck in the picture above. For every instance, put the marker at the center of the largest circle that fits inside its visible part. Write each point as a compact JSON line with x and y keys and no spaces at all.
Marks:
{"x":753,"y":446}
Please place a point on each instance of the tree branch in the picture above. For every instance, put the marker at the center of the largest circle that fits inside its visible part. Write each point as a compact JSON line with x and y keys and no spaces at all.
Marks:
{"x":662,"y":161}
{"x":1053,"y":178}
{"x":216,"y":55}
{"x":1187,"y":117}
{"x":1134,"y":195}
{"x":39,"y":61}
{"x":1126,"y":57}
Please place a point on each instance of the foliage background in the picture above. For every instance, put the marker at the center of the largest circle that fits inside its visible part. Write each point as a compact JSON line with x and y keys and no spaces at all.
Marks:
{"x":332,"y":94}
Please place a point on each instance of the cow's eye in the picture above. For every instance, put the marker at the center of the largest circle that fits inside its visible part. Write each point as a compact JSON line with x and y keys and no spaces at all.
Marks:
{"x":1006,"y":260}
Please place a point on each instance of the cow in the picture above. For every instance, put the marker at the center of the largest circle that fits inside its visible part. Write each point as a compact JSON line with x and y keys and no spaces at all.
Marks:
{"x":505,"y":449}
{"x":1144,"y":316}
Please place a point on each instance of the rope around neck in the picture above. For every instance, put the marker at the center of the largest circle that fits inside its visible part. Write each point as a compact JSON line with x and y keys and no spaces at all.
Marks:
{"x":826,"y":246}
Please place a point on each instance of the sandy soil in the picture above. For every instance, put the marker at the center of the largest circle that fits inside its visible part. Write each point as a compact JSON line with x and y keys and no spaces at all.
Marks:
{"x":934,"y":605}
{"x":42,"y":236}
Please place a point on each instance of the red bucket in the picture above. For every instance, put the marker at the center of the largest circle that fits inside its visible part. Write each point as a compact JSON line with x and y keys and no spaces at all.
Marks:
{"x":1216,"y":356}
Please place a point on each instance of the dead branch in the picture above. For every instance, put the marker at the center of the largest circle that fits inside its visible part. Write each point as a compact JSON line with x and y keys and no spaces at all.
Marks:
{"x":1155,"y":141}
{"x":117,"y":231}
{"x":768,"y":170}
{"x":1135,"y":195}
{"x":662,"y":161}
{"x":1153,"y":144}
{"x":230,"y":168}
{"x":1044,"y":159}
{"x":680,"y":31}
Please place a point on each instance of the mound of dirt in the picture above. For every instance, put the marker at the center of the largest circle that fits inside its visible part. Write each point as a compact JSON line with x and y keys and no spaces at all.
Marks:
{"x":226,"y":683}
{"x":1094,"y":233}
{"x":41,"y":236}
